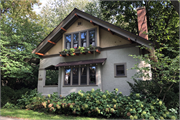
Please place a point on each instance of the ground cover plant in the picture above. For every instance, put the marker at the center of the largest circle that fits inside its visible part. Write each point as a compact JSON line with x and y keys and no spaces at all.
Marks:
{"x":102,"y":104}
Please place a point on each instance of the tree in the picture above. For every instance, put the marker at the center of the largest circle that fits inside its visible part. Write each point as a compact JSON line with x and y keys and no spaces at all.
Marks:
{"x":163,"y":31}
{"x":93,"y":8}
{"x":160,"y":16}
{"x":55,"y":11}
{"x":20,"y":32}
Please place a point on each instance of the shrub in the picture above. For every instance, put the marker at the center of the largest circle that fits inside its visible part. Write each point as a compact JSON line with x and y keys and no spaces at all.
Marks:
{"x":10,"y":95}
{"x":7,"y":95}
{"x":150,"y":89}
{"x":27,"y":98}
{"x":10,"y":106}
{"x":103,"y":104}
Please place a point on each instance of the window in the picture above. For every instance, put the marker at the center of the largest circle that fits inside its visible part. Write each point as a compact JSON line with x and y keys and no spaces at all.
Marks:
{"x":75,"y":76}
{"x":80,"y":75}
{"x":83,"y":76}
{"x":75,"y":40}
{"x":51,"y":77}
{"x":92,"y":75}
{"x":92,"y":37}
{"x":68,"y":41}
{"x":67,"y":76}
{"x":120,"y":70}
{"x":81,"y":38}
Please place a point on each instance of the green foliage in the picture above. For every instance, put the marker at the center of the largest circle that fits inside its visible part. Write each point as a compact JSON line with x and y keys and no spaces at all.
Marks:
{"x":10,"y":106}
{"x":20,"y":32}
{"x":28,"y":98}
{"x":163,"y":31}
{"x":71,"y":51}
{"x":51,"y":77}
{"x":6,"y":95}
{"x":10,"y":95}
{"x":55,"y":11}
{"x":162,"y":19}
{"x":104,"y":104}
{"x":93,"y":8}
{"x":82,"y":49}
{"x":36,"y":115}
{"x":151,"y":88}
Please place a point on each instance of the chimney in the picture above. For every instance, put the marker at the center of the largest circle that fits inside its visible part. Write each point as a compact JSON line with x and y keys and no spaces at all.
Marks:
{"x":142,"y":22}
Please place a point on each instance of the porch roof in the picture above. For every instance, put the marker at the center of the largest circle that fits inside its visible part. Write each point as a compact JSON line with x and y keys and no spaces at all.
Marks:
{"x":82,"y":62}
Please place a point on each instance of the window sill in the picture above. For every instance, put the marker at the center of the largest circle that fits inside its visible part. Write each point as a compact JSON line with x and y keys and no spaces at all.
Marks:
{"x":50,"y":86}
{"x":120,"y":76}
{"x":78,"y":85}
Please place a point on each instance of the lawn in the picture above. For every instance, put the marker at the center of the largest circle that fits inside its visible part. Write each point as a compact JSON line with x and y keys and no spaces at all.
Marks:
{"x":33,"y":115}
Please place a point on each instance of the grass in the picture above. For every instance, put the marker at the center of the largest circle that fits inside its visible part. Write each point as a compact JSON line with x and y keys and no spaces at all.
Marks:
{"x":34,"y":115}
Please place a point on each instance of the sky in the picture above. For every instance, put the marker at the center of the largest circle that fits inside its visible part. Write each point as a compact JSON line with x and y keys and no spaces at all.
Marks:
{"x":38,"y":9}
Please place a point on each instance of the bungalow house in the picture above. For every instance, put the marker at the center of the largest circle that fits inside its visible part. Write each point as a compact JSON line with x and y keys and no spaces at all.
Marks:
{"x":85,"y":52}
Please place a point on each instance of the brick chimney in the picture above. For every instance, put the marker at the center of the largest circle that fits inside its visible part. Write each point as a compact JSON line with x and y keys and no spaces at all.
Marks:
{"x":142,"y":22}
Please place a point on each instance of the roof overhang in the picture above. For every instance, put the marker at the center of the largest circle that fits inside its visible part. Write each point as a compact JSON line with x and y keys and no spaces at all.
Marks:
{"x":83,"y":62}
{"x":57,"y":33}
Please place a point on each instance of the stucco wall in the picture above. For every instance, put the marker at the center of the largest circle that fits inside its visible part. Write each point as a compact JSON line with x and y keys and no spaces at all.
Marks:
{"x":118,"y":56}
{"x":109,"y":40}
{"x":105,"y":72}
{"x":56,"y":48}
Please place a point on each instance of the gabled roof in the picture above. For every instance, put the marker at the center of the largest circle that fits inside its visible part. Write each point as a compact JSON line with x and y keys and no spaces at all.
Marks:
{"x":57,"y":33}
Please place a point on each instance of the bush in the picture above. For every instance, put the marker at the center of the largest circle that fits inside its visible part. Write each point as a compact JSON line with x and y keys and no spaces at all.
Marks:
{"x":7,"y":95}
{"x":103,"y":104}
{"x":28,"y":98}
{"x":10,"y":106}
{"x":10,"y":95}
{"x":150,"y":89}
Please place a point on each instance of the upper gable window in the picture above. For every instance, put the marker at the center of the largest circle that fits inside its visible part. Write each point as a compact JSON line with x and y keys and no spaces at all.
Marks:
{"x":68,"y":41}
{"x":76,"y":40}
{"x":81,"y":38}
{"x":92,"y":37}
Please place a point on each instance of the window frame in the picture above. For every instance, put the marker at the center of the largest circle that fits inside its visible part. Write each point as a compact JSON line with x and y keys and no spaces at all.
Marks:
{"x":95,"y":75}
{"x":72,"y":39}
{"x":65,"y":76}
{"x":73,"y":75}
{"x":79,"y":77}
{"x":115,"y":70}
{"x":79,"y":34}
{"x":94,"y":37}
{"x":68,"y":42}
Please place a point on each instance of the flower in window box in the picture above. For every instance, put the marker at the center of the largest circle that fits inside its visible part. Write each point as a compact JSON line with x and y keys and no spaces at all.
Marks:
{"x":75,"y":47}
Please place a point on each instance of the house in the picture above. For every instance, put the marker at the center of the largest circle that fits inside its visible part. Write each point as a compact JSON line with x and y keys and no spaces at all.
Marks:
{"x":103,"y":61}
